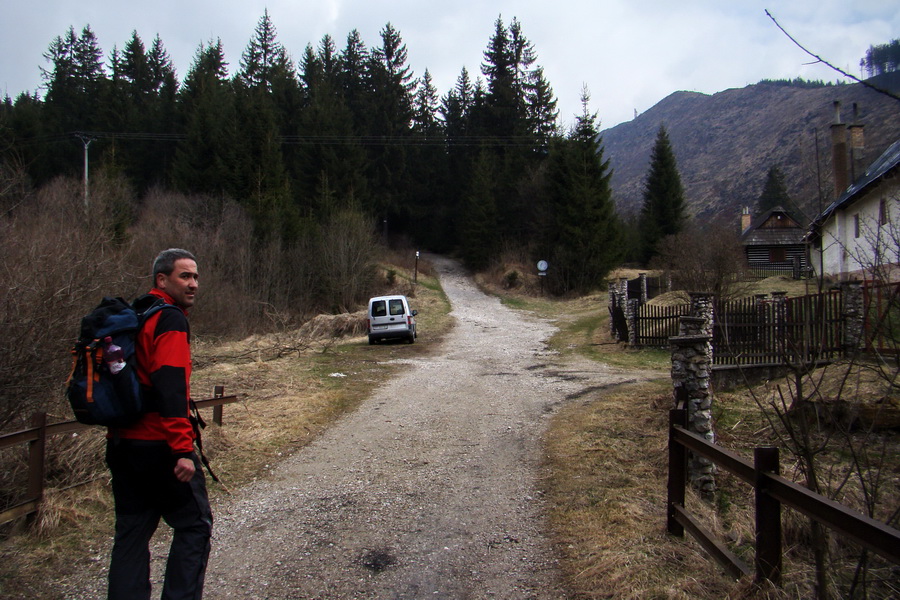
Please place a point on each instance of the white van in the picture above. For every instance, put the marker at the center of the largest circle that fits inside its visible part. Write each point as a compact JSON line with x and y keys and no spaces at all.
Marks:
{"x":390,"y":317}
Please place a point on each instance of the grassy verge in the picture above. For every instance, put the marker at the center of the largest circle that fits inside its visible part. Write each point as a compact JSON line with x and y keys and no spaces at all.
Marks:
{"x":605,"y":486}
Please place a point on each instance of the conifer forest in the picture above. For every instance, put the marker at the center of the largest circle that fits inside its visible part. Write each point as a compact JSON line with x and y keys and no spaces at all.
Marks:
{"x":293,"y":140}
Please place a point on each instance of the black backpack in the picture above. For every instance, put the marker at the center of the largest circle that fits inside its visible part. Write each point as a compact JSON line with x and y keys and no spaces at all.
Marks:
{"x":98,"y":396}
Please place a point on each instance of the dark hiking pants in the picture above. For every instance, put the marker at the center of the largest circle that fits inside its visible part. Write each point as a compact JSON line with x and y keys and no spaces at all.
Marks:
{"x":145,"y":490}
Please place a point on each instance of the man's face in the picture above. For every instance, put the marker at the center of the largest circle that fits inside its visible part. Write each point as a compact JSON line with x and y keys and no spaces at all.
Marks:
{"x":182,"y":284}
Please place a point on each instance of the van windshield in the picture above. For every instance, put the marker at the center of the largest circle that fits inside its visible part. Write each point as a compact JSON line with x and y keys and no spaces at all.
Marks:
{"x":396,"y":307}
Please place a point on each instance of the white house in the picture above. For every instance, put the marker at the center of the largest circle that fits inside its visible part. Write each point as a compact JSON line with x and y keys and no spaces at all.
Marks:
{"x":859,"y":232}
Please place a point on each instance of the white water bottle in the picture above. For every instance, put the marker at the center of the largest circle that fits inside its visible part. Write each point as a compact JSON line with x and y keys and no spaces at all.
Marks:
{"x":113,"y":356}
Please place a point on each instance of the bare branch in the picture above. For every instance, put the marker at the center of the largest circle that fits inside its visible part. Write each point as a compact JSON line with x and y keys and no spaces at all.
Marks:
{"x":828,"y":64}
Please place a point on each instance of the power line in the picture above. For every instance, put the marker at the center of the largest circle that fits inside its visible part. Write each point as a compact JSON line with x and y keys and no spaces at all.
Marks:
{"x":303,"y":140}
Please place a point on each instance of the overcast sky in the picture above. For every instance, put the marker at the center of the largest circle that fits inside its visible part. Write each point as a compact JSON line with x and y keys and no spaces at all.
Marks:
{"x":629,"y":53}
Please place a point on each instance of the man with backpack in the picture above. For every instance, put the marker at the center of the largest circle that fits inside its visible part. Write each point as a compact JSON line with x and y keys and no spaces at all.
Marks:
{"x":155,"y":471}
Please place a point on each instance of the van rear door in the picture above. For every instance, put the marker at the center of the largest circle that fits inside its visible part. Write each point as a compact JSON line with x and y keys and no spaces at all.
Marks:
{"x":388,"y":314}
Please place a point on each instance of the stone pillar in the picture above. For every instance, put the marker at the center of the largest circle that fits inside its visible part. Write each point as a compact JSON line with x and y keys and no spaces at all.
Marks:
{"x":612,"y":302}
{"x":622,"y":299}
{"x":852,"y":315}
{"x":643,"y":278}
{"x":691,"y":367}
{"x":623,"y":292}
{"x":702,"y":308}
{"x":631,"y":314}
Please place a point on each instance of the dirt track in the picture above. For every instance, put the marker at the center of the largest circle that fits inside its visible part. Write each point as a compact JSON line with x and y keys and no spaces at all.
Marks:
{"x":428,"y":490}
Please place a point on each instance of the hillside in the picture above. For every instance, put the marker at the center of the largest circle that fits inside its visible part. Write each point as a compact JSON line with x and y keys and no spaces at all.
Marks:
{"x":726,"y":142}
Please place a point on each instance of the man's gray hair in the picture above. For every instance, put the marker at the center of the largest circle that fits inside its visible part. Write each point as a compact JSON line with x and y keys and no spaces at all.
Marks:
{"x":165,"y":262}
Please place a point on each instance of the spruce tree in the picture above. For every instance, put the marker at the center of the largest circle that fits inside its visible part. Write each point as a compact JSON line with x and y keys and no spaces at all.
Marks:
{"x":353,"y":79}
{"x":206,"y":161}
{"x":332,"y":162}
{"x":480,"y":219}
{"x":543,"y":116}
{"x":264,"y":182}
{"x":77,"y":89}
{"x":144,"y":88}
{"x":663,"y":212}
{"x":427,"y":190}
{"x":163,"y":112}
{"x":456,"y":113}
{"x":774,"y":192}
{"x":508,"y":122}
{"x":391,"y":119}
{"x":581,"y":237}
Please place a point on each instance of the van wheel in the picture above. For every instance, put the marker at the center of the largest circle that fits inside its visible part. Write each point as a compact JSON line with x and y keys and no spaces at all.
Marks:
{"x":371,"y":341}
{"x":410,"y":338}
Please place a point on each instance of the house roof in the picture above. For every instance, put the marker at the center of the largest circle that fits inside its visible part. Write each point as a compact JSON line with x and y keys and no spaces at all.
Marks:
{"x":885,"y":163}
{"x":774,"y":227}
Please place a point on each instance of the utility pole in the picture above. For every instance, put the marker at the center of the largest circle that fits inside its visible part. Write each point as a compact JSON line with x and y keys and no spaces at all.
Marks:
{"x":86,"y":140}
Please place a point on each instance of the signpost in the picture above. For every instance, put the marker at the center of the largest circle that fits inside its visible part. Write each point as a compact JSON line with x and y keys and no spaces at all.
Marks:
{"x":542,"y":272}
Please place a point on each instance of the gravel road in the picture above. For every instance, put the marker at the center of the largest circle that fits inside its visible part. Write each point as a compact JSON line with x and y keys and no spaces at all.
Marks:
{"x":428,"y":490}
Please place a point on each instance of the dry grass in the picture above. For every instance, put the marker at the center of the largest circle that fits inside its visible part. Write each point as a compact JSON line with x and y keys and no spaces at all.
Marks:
{"x":606,"y":462}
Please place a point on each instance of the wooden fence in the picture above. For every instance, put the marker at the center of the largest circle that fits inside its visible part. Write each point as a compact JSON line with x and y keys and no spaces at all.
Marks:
{"x":656,"y":324}
{"x":36,"y":438}
{"x":771,"y":491}
{"x":752,"y":331}
{"x":755,"y":332}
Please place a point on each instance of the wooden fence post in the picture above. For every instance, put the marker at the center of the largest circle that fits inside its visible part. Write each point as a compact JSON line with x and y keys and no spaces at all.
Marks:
{"x":677,"y":473}
{"x":218,"y":392}
{"x":768,"y":518}
{"x":36,"y":450}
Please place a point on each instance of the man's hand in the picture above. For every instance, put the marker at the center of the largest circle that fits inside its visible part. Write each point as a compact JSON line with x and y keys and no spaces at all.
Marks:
{"x":184,"y":469}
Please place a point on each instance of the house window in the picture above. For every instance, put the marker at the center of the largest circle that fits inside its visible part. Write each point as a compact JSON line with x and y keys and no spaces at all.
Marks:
{"x":856,"y":225}
{"x":882,"y":213}
{"x":777,"y":255}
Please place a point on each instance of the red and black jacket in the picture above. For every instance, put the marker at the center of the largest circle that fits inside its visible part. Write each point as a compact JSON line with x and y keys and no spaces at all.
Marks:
{"x":163,"y":348}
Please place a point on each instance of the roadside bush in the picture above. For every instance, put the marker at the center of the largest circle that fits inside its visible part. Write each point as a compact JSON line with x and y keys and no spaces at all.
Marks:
{"x":699,"y":262}
{"x":59,"y":259}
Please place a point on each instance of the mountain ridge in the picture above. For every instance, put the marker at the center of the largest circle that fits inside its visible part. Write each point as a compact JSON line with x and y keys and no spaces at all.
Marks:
{"x":726,"y":142}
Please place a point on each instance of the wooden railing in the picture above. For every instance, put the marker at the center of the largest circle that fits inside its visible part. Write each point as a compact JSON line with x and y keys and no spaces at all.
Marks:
{"x":772,"y":491}
{"x":36,"y":438}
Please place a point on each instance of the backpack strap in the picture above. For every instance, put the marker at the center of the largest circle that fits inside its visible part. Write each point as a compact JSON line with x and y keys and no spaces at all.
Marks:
{"x":198,"y":423}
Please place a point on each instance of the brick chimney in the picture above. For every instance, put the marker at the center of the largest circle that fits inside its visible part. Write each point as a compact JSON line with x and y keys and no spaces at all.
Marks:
{"x":839,"y":160}
{"x":745,"y":219}
{"x":857,"y":147}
